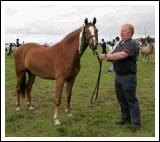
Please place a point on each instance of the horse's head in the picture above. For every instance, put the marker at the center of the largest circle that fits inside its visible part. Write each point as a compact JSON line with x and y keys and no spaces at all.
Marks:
{"x":91,"y":33}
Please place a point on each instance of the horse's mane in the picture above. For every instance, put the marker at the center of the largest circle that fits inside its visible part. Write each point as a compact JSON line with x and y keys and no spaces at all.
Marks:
{"x":68,"y":36}
{"x":71,"y":33}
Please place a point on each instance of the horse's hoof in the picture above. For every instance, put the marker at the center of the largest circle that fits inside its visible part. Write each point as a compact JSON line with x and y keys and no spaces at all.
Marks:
{"x":69,"y":115}
{"x":67,"y":110}
{"x":57,"y":122}
{"x":18,"y":109}
{"x":30,"y":107}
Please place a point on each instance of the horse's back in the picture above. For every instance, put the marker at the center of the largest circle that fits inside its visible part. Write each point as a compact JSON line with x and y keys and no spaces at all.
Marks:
{"x":29,"y":46}
{"x":24,"y":49}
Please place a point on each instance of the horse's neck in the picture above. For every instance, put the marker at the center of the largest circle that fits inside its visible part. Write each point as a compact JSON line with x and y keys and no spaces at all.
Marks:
{"x":82,"y":43}
{"x":74,"y":42}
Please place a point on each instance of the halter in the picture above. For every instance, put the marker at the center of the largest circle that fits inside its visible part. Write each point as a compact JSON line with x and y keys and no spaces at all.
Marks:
{"x":83,"y":41}
{"x":96,"y":89}
{"x":93,"y":36}
{"x":81,"y":49}
{"x":93,"y":48}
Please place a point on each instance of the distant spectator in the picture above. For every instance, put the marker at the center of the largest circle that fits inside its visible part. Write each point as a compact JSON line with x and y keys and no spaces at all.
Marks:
{"x":103,"y":47}
{"x":10,"y":49}
{"x":17,"y":42}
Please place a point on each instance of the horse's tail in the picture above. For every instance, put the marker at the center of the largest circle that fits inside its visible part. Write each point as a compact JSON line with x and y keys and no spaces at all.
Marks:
{"x":23,"y":85}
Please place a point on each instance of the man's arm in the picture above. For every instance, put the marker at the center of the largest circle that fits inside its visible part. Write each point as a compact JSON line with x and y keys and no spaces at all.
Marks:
{"x":113,"y":56}
{"x":117,"y":56}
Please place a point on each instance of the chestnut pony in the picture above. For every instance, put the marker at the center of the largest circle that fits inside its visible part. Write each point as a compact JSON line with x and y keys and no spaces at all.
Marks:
{"x":60,"y":62}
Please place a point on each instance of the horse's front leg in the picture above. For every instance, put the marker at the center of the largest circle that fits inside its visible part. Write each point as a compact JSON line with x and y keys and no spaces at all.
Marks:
{"x":59,"y":87}
{"x":69,"y":86}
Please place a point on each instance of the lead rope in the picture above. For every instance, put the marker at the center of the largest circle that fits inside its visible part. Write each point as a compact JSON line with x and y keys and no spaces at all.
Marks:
{"x":96,"y":89}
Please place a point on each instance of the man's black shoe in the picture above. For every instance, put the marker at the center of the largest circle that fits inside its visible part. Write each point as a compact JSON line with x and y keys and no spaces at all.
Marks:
{"x":122,"y":122}
{"x":135,"y":128}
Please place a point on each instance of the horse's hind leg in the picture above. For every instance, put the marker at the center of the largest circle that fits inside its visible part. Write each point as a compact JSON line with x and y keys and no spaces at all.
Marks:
{"x":31,"y":79}
{"x":20,"y":83}
{"x":69,"y":86}
{"x":59,"y":87}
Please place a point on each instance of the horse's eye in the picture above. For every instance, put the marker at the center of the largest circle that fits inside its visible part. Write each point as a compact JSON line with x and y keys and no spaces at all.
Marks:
{"x":85,"y":33}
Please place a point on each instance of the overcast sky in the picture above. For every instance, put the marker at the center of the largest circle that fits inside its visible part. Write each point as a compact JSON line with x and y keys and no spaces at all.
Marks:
{"x":50,"y":23}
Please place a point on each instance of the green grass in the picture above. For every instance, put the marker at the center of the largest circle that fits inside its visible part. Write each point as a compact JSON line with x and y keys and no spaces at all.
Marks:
{"x":96,"y":120}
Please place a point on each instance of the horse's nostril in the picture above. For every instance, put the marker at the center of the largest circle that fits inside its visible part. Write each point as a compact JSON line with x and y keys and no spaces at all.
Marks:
{"x":92,"y":44}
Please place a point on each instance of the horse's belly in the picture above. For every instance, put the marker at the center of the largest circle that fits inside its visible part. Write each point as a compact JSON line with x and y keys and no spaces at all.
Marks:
{"x":41,"y":70}
{"x":48,"y":77}
{"x":42,"y":74}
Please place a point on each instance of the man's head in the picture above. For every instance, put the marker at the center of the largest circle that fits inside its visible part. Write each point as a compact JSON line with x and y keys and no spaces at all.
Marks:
{"x":102,"y":40}
{"x":127,"y":31}
{"x":117,"y":38}
{"x":17,"y":40}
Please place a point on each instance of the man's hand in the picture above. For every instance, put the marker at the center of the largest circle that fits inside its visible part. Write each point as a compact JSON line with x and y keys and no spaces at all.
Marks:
{"x":102,"y":57}
{"x":108,"y":57}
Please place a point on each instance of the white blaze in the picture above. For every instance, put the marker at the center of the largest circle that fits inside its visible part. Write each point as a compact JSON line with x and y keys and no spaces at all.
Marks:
{"x":91,"y":29}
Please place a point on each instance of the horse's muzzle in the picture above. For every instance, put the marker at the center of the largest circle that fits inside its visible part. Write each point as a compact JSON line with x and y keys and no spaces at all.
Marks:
{"x":92,"y":46}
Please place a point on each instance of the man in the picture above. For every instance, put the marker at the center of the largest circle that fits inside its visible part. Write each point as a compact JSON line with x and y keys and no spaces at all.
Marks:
{"x":17,"y":42}
{"x":103,"y":47}
{"x":10,"y":49}
{"x":124,"y":63}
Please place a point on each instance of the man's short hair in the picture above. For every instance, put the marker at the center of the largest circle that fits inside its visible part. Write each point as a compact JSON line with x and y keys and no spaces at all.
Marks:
{"x":130,"y":27}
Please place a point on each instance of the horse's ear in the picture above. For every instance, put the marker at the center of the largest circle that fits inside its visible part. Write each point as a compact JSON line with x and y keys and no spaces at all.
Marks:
{"x":94,"y":21}
{"x":86,"y":21}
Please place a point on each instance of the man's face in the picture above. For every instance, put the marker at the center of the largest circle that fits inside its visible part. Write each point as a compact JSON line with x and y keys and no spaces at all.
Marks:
{"x":125,"y":33}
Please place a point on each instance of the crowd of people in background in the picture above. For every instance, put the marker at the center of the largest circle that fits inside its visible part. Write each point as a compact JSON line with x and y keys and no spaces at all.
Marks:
{"x":109,"y":46}
{"x":13,"y":45}
{"x":10,"y":46}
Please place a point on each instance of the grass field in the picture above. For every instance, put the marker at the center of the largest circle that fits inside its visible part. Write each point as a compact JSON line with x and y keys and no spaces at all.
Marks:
{"x":96,"y":120}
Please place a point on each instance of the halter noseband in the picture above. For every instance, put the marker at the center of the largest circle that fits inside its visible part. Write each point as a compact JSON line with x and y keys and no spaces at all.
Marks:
{"x":92,"y":37}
